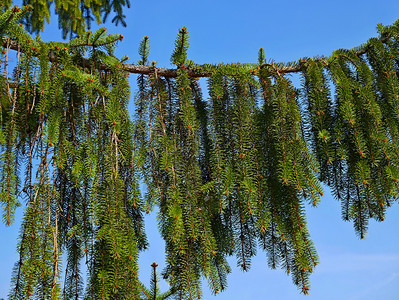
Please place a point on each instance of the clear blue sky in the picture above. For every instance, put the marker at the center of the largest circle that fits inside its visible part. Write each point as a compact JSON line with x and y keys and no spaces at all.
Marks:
{"x":233,"y":31}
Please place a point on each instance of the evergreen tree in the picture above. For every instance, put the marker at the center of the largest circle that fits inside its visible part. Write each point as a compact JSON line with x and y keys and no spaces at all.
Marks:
{"x":228,"y":174}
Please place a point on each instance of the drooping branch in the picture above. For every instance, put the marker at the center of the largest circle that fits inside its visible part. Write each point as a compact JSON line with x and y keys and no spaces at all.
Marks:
{"x":228,"y":172}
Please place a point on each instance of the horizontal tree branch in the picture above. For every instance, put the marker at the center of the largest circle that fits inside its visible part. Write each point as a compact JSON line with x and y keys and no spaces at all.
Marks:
{"x":140,"y":69}
{"x":146,"y":70}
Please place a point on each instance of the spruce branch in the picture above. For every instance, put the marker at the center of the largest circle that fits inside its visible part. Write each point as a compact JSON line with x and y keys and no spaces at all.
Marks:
{"x":225,"y":173}
{"x":196,"y":72}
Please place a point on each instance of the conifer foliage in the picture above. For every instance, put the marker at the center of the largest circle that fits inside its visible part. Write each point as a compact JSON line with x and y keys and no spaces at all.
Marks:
{"x":74,"y":16}
{"x":230,"y":173}
{"x":68,"y":137}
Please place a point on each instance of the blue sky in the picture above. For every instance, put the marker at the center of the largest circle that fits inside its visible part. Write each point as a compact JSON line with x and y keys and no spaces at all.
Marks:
{"x":233,"y":31}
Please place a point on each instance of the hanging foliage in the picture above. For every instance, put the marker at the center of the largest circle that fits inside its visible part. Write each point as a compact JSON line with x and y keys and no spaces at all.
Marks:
{"x":74,"y":16}
{"x":231,"y":173}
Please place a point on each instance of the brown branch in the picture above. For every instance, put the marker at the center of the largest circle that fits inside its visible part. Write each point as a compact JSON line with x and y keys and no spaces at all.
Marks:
{"x":146,"y":70}
{"x":140,"y":69}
